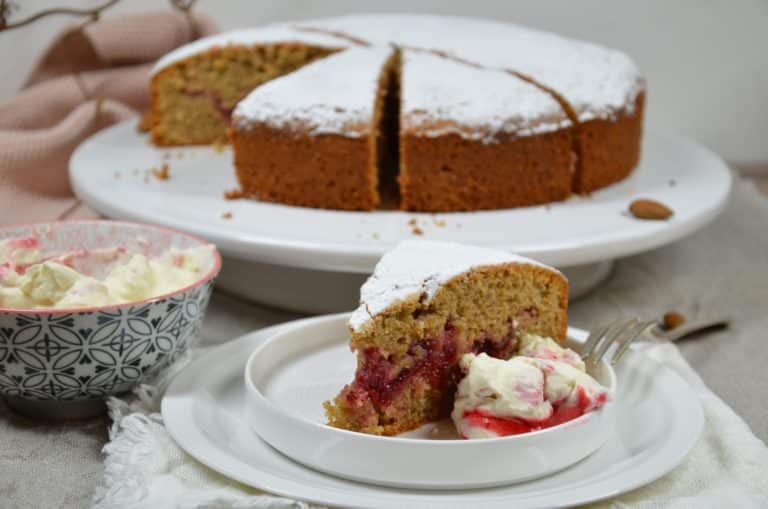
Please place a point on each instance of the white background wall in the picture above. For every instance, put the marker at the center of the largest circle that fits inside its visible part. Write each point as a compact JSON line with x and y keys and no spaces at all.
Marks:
{"x":706,"y":61}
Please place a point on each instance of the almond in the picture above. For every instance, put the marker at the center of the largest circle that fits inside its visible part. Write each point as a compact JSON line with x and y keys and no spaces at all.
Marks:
{"x":673,"y":320}
{"x":650,"y":209}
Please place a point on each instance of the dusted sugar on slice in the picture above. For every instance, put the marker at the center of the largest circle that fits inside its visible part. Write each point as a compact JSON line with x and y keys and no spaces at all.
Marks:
{"x":195,"y":87}
{"x":426,"y":305}
{"x":313,"y":138}
{"x":498,"y":398}
{"x":473,"y":138}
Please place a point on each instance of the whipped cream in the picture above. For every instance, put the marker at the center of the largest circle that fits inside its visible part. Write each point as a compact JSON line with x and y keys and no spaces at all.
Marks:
{"x":93,"y":278}
{"x":540,"y":347}
{"x":543,"y":387}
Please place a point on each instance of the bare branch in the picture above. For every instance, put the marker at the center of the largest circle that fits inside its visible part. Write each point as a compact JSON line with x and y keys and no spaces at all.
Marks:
{"x":183,"y":5}
{"x":6,"y":8}
{"x":93,"y":13}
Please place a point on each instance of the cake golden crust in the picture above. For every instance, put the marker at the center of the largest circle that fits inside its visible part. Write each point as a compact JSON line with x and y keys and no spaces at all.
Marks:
{"x":450,"y":173}
{"x":274,"y":165}
{"x":609,"y":149}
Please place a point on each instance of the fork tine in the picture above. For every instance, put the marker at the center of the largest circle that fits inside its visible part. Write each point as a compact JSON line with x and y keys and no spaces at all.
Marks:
{"x":594,"y":338}
{"x":619,"y":332}
{"x":624,"y":346}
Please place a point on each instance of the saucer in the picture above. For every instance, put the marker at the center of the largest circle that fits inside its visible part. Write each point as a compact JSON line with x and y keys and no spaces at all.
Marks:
{"x":288,"y":378}
{"x":658,"y":420}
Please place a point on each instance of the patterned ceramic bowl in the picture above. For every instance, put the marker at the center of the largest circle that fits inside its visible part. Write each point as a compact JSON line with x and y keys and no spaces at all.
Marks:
{"x":77,"y":357}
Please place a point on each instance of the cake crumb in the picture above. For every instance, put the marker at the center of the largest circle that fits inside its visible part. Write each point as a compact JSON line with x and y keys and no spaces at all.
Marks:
{"x":166,"y":156}
{"x":412,"y":222}
{"x":145,"y":122}
{"x":417,"y":231}
{"x":440,"y":223}
{"x":180,"y":154}
{"x":226,"y":215}
{"x":234,"y":194}
{"x":673,"y":320}
{"x":164,"y":173}
{"x":218,"y":146}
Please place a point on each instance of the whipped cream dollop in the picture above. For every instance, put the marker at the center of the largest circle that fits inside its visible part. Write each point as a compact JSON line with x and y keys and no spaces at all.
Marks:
{"x":93,"y":278}
{"x":543,"y":386}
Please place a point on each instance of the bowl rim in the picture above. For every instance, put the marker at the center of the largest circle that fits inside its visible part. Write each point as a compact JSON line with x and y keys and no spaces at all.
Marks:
{"x":264,"y":402}
{"x":212,"y":273}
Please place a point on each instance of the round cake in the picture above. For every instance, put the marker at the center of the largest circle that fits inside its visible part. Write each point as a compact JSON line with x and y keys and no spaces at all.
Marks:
{"x":423,"y":113}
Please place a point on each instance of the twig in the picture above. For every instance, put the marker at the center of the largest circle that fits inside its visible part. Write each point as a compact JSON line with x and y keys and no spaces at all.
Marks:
{"x":93,"y":13}
{"x":183,"y":5}
{"x":6,"y":8}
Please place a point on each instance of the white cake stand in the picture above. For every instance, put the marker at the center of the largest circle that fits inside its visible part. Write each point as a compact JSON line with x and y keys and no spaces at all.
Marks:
{"x":314,"y":260}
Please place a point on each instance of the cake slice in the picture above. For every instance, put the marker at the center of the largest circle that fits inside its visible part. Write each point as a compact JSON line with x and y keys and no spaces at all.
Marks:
{"x":427,"y":304}
{"x":313,"y":138}
{"x":195,"y":87}
{"x":473,"y":138}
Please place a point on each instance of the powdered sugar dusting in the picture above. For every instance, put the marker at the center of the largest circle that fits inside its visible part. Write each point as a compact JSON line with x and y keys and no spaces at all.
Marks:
{"x":441,"y":96}
{"x":598,"y":82}
{"x":270,"y":34}
{"x":335,"y":95}
{"x":421,"y":267}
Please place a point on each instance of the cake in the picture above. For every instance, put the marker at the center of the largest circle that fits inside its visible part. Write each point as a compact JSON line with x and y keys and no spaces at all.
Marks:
{"x":427,"y":304}
{"x":503,"y":116}
{"x":482,"y":139}
{"x":314,"y":137}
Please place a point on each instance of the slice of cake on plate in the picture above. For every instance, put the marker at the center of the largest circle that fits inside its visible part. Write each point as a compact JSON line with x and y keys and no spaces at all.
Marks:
{"x":195,"y":87}
{"x":426,"y":305}
{"x":313,"y":138}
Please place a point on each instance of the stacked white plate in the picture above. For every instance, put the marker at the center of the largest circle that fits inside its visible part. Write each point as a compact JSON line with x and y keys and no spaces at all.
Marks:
{"x":235,"y":418}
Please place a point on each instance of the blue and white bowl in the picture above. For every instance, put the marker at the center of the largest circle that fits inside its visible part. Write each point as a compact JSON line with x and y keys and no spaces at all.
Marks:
{"x":87,"y":354}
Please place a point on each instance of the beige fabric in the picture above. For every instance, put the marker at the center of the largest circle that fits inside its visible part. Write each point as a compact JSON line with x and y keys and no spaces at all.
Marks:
{"x":90,"y":77}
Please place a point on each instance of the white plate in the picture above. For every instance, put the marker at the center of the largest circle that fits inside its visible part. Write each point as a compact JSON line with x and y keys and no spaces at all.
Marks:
{"x":659,"y":419}
{"x":288,"y":378}
{"x":108,"y":173}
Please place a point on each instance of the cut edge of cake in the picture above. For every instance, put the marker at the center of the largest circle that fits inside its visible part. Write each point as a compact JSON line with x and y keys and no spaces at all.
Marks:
{"x":195,"y":87}
{"x":426,"y":304}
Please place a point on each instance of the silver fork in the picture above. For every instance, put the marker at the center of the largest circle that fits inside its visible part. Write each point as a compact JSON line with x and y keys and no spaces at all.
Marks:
{"x":624,"y":332}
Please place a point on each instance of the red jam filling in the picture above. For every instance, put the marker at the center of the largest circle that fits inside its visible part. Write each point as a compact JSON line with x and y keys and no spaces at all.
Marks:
{"x":380,"y":380}
{"x":562,"y":413}
{"x":501,"y":349}
{"x":435,"y":360}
